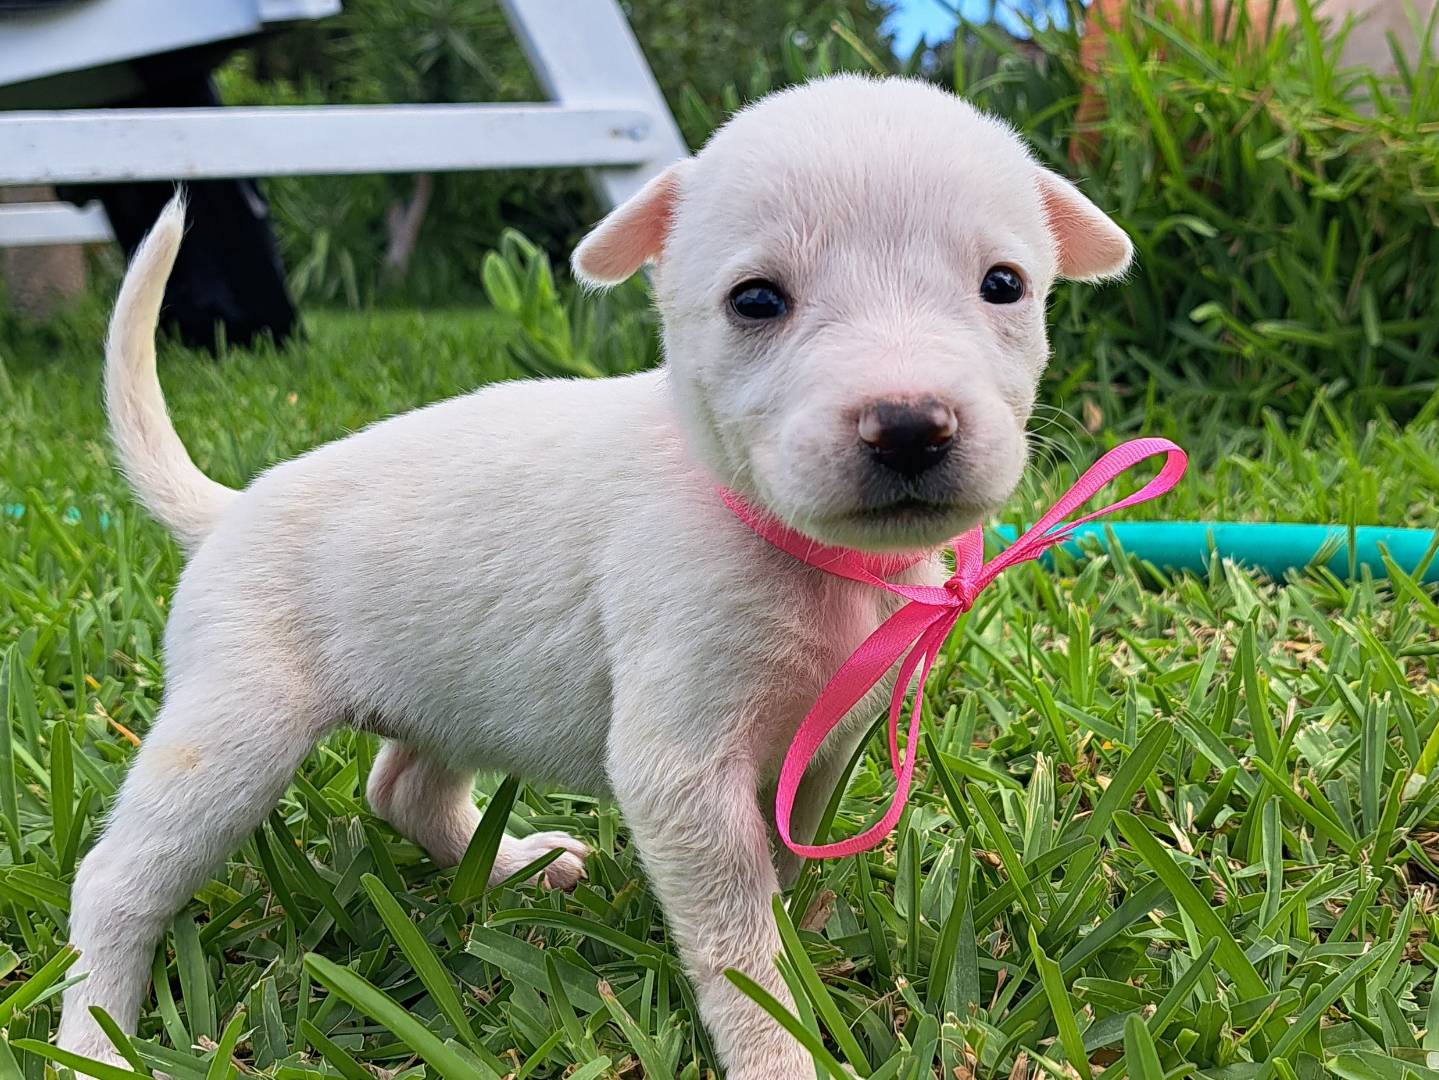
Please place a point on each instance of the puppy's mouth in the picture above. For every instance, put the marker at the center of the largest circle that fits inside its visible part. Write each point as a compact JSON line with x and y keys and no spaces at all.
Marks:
{"x":909,"y":508}
{"x":905,"y":523}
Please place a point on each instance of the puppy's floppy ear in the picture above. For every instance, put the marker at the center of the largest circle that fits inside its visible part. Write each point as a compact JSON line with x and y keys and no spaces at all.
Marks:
{"x":1091,"y":246}
{"x":632,"y":234}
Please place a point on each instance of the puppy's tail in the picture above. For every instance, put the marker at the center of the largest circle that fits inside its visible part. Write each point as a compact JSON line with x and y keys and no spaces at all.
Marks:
{"x":169,"y":484}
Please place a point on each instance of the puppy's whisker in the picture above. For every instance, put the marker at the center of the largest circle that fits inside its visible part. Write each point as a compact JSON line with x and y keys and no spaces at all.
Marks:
{"x":1061,"y":450}
{"x":1053,"y":416}
{"x":1052,"y":452}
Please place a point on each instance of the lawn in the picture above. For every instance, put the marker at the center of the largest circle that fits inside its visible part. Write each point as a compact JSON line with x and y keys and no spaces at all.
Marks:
{"x":1162,"y":827}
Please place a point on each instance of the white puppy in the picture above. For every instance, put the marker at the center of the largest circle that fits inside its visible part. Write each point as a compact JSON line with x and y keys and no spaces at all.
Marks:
{"x":541,"y":578}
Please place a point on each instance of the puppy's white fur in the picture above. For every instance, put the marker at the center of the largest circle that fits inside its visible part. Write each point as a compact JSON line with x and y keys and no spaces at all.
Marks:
{"x":539,"y":577}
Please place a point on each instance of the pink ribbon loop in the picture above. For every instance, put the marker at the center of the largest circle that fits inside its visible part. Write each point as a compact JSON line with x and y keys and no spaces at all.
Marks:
{"x":914,"y":635}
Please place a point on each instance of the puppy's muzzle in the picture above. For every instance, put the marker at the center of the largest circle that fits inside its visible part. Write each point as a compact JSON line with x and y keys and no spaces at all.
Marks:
{"x":908,"y":437}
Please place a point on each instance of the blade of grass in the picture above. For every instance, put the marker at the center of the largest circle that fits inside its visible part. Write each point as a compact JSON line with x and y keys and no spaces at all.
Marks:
{"x":1229,"y":954}
{"x":379,"y":1006}
{"x":1059,"y":1002}
{"x":817,"y":992}
{"x":787,"y":1020}
{"x":478,"y":862}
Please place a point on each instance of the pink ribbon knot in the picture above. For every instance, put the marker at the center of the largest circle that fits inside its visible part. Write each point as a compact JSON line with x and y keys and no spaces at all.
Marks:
{"x":914,"y":634}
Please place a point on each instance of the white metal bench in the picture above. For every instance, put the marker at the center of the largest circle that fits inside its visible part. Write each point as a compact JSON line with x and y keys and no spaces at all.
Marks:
{"x":606,"y":111}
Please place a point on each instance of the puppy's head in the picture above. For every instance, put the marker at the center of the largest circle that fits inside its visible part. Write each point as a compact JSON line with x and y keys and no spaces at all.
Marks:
{"x":852,"y":278}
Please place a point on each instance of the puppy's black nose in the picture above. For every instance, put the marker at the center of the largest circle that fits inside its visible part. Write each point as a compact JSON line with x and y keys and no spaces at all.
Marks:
{"x":908,"y":436}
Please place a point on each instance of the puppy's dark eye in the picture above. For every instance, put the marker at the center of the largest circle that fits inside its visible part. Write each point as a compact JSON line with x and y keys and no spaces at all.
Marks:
{"x":1001,"y":285}
{"x":758,"y":299}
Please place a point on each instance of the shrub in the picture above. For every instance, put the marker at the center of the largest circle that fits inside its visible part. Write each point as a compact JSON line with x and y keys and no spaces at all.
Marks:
{"x":1284,"y":212}
{"x":589,"y":336}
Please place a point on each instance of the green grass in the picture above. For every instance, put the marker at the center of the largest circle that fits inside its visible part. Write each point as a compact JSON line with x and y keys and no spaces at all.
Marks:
{"x":1161,"y":828}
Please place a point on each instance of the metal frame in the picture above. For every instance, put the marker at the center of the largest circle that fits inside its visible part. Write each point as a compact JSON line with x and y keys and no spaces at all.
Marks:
{"x":54,"y":41}
{"x":607,"y":113}
{"x":33,"y":224}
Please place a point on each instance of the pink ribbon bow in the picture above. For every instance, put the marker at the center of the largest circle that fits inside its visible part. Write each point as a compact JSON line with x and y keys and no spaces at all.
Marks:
{"x":922,"y":624}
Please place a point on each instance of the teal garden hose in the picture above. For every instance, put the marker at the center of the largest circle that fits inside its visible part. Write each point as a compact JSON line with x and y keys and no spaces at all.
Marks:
{"x":1271,"y":547}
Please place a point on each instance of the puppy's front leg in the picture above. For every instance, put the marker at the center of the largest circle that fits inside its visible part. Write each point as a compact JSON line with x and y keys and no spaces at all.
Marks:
{"x":694,"y":813}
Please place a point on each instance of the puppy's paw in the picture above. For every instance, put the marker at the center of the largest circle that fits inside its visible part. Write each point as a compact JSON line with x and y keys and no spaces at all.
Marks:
{"x":564,"y":873}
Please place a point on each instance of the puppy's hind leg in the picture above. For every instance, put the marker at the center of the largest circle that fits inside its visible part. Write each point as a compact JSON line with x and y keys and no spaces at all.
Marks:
{"x":433,"y":805}
{"x":212,"y":766}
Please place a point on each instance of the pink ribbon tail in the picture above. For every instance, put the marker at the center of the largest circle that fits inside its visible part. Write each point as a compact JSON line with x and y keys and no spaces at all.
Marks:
{"x":855,"y":678}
